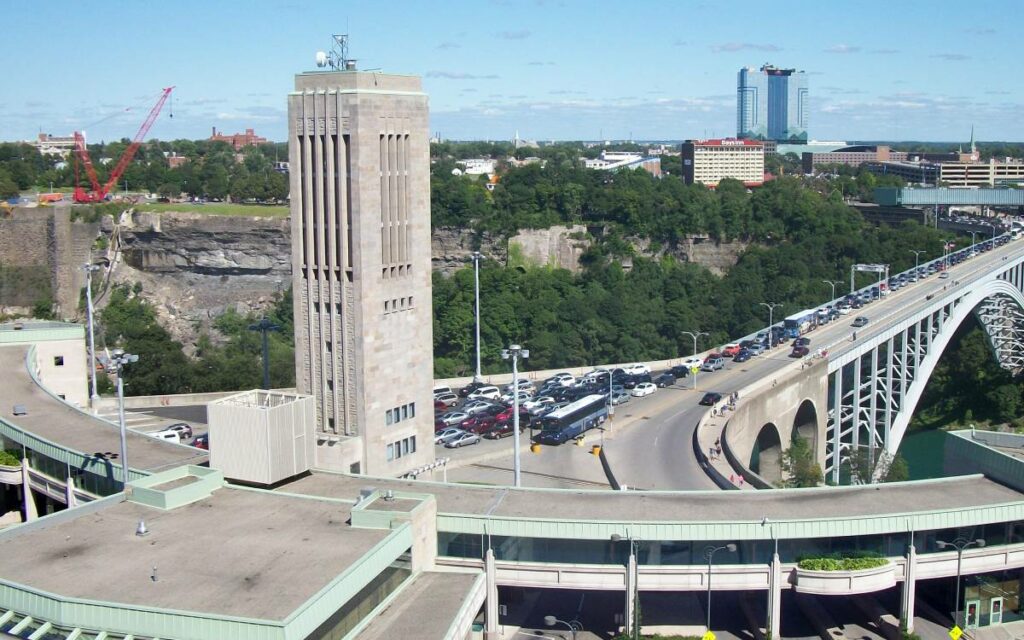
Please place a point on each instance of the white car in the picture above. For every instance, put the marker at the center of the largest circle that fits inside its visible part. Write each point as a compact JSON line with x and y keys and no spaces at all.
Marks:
{"x":643,"y":389}
{"x":533,"y":403}
{"x":509,"y":397}
{"x":591,"y":376}
{"x":442,"y":390}
{"x":170,"y":436}
{"x":692,"y":362}
{"x":636,"y":369}
{"x":524,"y":385}
{"x":563,"y":379}
{"x":485,"y":392}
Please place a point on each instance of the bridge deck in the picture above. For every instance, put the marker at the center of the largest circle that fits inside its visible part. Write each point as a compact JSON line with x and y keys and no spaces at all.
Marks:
{"x":70,"y":428}
{"x":690,"y":506}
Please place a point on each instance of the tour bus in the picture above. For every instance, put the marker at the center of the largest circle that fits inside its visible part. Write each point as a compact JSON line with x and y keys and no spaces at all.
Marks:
{"x":573,"y":419}
{"x":798,"y":324}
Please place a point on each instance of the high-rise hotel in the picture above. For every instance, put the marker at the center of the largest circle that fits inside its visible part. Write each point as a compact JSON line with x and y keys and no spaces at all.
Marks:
{"x":360,"y":218}
{"x":771,"y":104}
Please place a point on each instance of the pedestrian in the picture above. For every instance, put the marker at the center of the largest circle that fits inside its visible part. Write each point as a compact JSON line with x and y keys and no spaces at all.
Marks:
{"x":717,"y":441}
{"x":741,"y":481}
{"x":711,"y":452}
{"x":732,"y":478}
{"x":718,"y":452}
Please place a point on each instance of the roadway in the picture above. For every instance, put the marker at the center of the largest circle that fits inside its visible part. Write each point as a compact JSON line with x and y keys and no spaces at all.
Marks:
{"x":651,"y":446}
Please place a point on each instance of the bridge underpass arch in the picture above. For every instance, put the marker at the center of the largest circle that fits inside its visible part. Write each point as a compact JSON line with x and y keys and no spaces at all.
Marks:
{"x":874,"y":390}
{"x":805,"y":424}
{"x":766,"y":455}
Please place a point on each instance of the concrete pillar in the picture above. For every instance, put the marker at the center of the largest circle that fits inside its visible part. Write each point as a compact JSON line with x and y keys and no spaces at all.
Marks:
{"x":631,"y":593}
{"x":909,"y":591}
{"x":28,"y":505}
{"x":69,"y":494}
{"x":774,"y":598}
{"x":491,"y":605}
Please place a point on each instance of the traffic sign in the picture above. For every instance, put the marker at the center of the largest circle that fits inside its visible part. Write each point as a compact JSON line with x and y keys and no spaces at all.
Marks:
{"x":695,"y":369}
{"x":956,"y":632}
{"x":708,"y":635}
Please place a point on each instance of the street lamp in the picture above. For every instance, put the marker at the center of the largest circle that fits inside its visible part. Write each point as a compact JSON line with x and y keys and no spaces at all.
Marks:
{"x":973,"y":233}
{"x":118,"y":360}
{"x":833,"y":284}
{"x":514,"y":352}
{"x":917,"y":258}
{"x":709,"y":553}
{"x":695,"y":335}
{"x":959,"y":544}
{"x":89,"y":269}
{"x":477,"y":257}
{"x":771,"y":322}
{"x":265,"y":326}
{"x":633,"y":594}
{"x":574,"y":625}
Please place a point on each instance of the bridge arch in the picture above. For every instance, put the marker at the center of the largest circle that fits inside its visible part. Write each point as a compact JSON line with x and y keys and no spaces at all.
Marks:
{"x":805,"y":423}
{"x":898,"y":363}
{"x":766,"y":455}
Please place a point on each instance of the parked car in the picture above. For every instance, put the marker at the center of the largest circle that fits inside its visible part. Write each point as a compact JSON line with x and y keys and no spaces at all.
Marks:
{"x":202,"y":441}
{"x":474,"y":407}
{"x":860,"y":321}
{"x":462,"y":440}
{"x":711,"y":398}
{"x":486,"y":391}
{"x":731,"y":349}
{"x":643,"y":389}
{"x":713,"y":362}
{"x":470,"y":388}
{"x":508,"y":398}
{"x":665,"y":380}
{"x":449,"y":399}
{"x":441,"y":390}
{"x":799,"y":352}
{"x":524,"y":385}
{"x":184,"y":430}
{"x":445,"y":435}
{"x":503,"y":430}
{"x":452,"y":418}
{"x":620,"y":397}
{"x":742,"y":356}
{"x":537,"y":402}
{"x":563,"y":379}
{"x":169,"y":436}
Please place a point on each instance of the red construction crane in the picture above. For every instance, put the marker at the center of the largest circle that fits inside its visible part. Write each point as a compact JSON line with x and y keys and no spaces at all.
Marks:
{"x":99,"y":192}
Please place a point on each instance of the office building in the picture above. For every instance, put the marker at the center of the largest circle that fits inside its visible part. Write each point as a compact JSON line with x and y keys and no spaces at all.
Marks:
{"x":852,"y":156}
{"x":710,"y":161}
{"x":771,"y":104}
{"x":360,"y":213}
{"x":238,"y":140}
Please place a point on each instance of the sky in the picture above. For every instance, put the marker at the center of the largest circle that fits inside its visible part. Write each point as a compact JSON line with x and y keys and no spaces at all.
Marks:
{"x":549,"y":69}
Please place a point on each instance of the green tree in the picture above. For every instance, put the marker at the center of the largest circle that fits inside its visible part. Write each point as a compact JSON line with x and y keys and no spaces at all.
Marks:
{"x":799,"y":466}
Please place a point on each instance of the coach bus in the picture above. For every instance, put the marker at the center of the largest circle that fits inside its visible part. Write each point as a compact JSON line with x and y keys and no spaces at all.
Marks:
{"x":798,"y":324}
{"x":573,"y":419}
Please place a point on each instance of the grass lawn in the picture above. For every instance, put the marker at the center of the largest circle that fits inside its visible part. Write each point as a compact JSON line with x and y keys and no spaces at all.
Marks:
{"x":218,"y":209}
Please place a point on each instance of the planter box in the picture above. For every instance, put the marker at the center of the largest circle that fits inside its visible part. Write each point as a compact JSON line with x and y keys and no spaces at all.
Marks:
{"x":10,"y":475}
{"x":844,"y":582}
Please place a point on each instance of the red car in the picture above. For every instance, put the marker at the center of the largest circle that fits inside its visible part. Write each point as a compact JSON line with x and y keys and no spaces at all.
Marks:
{"x":202,"y":441}
{"x":502,"y":431}
{"x":730,"y":350}
{"x":469,"y":423}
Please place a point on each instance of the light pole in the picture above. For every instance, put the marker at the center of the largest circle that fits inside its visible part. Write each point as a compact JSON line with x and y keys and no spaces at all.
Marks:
{"x":634,"y":621}
{"x":959,"y":544}
{"x":514,"y":352}
{"x":118,"y":360}
{"x":833,"y":284}
{"x":89,"y":269}
{"x":973,"y":233}
{"x":709,"y":553}
{"x":917,"y":259}
{"x":265,"y":326}
{"x":477,"y":257}
{"x":771,"y":319}
{"x":694,"y":335}
{"x":574,"y":625}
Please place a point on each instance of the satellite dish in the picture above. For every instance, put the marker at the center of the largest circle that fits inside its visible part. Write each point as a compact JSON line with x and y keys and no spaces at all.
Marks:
{"x":321,"y":59}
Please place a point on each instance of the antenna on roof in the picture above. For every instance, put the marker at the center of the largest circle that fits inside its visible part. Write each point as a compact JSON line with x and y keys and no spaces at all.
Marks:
{"x":337,"y":58}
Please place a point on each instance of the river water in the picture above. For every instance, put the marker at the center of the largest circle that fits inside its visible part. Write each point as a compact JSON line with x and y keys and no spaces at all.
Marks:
{"x":923,"y":451}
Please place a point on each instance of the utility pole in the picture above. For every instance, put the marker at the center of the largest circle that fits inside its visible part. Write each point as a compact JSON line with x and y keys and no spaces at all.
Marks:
{"x":265,"y":326}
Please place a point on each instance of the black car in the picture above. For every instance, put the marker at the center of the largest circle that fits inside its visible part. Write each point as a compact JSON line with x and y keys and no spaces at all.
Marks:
{"x":711,"y":398}
{"x":631,"y":381}
{"x":470,"y":388}
{"x":680,"y":371}
{"x":801,"y":342}
{"x":665,"y":380}
{"x":799,"y":352}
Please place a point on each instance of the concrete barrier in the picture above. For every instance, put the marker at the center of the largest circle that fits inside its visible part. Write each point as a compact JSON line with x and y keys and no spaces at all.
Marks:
{"x":171,"y":399}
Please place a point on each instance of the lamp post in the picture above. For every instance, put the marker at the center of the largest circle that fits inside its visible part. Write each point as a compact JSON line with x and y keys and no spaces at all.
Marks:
{"x":959,"y":544}
{"x":833,"y":284}
{"x":514,"y":352}
{"x":118,"y":360}
{"x":574,"y":625}
{"x":477,"y":257}
{"x":709,"y":553}
{"x":917,"y":259}
{"x":695,"y":335}
{"x":89,"y":269}
{"x":973,"y":233}
{"x":771,"y":319}
{"x":265,"y":326}
{"x":632,"y":595}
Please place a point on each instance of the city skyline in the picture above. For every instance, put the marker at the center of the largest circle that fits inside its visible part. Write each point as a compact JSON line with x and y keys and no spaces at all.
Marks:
{"x":643,"y":71}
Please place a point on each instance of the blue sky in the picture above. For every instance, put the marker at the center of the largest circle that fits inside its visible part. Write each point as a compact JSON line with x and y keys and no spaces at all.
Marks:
{"x":567,"y":69}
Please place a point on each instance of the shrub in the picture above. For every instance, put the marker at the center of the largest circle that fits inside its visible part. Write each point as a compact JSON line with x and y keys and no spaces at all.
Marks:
{"x":848,"y":562}
{"x":10,"y":458}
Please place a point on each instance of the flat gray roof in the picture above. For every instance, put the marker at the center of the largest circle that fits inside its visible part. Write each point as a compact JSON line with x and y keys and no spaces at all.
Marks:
{"x":681,"y":506}
{"x":424,"y":609}
{"x":237,"y":552}
{"x":68,"y":427}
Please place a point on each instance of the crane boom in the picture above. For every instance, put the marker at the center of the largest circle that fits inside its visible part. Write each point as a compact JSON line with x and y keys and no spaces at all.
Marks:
{"x":99,"y":193}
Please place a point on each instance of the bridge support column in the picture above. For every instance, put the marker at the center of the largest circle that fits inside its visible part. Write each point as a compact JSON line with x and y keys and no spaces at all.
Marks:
{"x":774,"y":598}
{"x":491,"y":606}
{"x":69,"y":493}
{"x":628,"y":620}
{"x":28,"y":504}
{"x":909,"y":591}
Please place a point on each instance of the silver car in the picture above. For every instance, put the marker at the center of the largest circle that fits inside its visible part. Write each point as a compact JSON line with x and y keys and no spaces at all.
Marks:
{"x":462,"y":439}
{"x":443,"y":436}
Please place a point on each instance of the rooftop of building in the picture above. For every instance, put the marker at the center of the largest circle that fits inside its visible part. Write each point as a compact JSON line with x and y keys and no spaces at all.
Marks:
{"x":688,"y":506}
{"x":52,"y":419}
{"x":233,"y":552}
{"x":425,"y":608}
{"x":27,"y":331}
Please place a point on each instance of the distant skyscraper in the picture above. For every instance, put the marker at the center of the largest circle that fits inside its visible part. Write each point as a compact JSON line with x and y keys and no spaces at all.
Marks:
{"x":771,"y":104}
{"x":360,"y":215}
